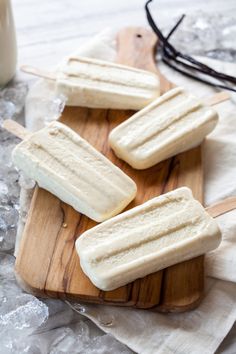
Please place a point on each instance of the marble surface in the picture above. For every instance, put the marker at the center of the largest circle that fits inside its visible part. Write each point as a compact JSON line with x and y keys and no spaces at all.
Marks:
{"x":46,"y":31}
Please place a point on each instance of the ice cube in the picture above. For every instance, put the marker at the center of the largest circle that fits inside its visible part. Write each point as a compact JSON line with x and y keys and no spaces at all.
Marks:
{"x":107,"y":344}
{"x":7,"y":110}
{"x":211,"y":35}
{"x":21,"y":312}
{"x":16,"y":95}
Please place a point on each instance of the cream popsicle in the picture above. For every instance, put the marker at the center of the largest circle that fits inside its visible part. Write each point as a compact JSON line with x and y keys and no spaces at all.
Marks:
{"x":96,"y":83}
{"x":166,"y":230}
{"x":69,"y":167}
{"x":173,"y":123}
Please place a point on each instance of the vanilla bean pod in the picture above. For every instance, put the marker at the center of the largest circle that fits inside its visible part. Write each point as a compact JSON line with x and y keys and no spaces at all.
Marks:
{"x":174,"y":58}
{"x":192,"y":76}
{"x":209,"y":72}
{"x":175,"y":26}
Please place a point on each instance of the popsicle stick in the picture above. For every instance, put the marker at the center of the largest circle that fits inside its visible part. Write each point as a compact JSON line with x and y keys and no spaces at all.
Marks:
{"x":222,"y":207}
{"x":15,"y":128}
{"x":217,"y":98}
{"x":38,"y":72}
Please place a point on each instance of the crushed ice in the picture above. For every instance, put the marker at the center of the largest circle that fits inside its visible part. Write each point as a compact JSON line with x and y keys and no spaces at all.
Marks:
{"x":211,"y":35}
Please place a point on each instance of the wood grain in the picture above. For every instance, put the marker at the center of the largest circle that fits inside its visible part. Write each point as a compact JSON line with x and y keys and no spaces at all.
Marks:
{"x":47,"y":262}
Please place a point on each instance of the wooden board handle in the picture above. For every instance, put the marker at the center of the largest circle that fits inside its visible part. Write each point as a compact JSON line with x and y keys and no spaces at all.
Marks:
{"x":136,"y":47}
{"x":15,"y":128}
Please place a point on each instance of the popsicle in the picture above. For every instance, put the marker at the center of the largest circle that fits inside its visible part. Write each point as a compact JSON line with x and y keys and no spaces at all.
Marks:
{"x":173,"y":123}
{"x":96,"y":83}
{"x":66,"y":165}
{"x":165,"y":230}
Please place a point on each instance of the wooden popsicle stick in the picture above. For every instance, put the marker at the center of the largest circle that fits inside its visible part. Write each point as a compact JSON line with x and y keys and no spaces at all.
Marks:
{"x":16,"y":129}
{"x":222,"y":207}
{"x":38,"y":72}
{"x":217,"y":98}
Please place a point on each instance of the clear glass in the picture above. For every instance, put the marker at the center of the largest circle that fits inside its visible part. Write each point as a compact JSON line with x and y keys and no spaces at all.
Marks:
{"x":8,"y":51}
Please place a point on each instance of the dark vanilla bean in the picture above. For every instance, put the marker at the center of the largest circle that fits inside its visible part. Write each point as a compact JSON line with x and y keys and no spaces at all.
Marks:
{"x":184,"y":63}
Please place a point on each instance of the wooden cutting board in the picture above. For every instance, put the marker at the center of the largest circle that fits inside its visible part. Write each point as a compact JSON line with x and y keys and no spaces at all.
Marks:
{"x":47,"y":263}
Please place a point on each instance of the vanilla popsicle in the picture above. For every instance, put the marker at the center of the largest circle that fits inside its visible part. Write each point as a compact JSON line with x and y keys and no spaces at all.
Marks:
{"x":100,"y":84}
{"x":166,"y":230}
{"x":66,"y":165}
{"x":173,"y":123}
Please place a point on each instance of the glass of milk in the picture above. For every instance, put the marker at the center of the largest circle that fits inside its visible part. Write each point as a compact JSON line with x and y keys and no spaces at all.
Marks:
{"x":8,"y":50}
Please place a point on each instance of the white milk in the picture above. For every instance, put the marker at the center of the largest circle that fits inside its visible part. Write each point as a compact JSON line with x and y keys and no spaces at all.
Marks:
{"x":7,"y":43}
